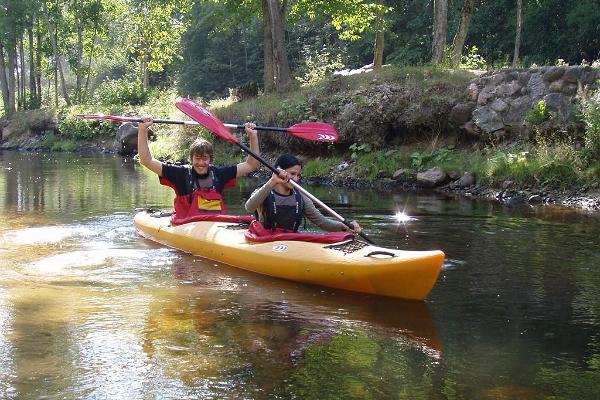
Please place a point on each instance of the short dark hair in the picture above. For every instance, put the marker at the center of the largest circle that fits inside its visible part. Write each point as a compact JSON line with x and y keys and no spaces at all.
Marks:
{"x":201,"y":147}
{"x":286,"y":161}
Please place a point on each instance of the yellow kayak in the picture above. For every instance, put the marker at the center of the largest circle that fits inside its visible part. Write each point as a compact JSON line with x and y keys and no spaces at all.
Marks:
{"x":350,"y":265}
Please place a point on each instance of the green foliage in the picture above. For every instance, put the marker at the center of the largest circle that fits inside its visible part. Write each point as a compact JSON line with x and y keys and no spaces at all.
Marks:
{"x":558,"y":165}
{"x":590,"y":111}
{"x":157,"y":27}
{"x":320,"y":166}
{"x":538,"y":114}
{"x":374,"y":164}
{"x":78,"y":129}
{"x":351,"y":17}
{"x":295,"y":109}
{"x":55,"y":143}
{"x":317,"y":65}
{"x":473,"y":60}
{"x":120,"y":92}
{"x":359,"y":149}
{"x":424,"y":160}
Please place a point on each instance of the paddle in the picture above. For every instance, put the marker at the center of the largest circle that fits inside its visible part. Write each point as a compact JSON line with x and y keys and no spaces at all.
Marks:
{"x":315,"y":131}
{"x":213,"y":124}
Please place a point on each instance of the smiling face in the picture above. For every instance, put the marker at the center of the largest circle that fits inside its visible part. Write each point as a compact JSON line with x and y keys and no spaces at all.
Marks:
{"x":200,"y":163}
{"x":201,"y":152}
{"x":295,"y":174}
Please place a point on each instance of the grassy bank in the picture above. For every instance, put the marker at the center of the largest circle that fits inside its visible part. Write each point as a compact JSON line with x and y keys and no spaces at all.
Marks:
{"x":359,"y":105}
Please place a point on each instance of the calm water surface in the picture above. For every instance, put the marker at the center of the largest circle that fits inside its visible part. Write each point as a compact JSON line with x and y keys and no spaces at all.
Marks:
{"x":89,"y":310}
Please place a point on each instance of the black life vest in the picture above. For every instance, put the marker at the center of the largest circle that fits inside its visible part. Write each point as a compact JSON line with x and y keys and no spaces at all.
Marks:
{"x":285,"y":212}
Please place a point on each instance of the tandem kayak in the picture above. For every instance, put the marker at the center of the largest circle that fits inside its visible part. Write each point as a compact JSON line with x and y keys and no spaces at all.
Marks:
{"x":350,"y":265}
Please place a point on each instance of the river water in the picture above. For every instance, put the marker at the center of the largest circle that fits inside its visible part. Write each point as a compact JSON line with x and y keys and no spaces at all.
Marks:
{"x":90,"y":310}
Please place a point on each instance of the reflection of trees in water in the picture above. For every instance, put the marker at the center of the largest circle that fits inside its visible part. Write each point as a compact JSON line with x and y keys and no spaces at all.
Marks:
{"x":246,"y":335}
{"x":73,"y":184}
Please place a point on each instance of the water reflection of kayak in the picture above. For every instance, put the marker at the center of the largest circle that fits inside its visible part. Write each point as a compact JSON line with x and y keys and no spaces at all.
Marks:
{"x":351,"y":265}
{"x":289,"y":301}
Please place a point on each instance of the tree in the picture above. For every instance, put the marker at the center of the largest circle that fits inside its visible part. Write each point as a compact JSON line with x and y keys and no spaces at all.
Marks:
{"x":57,"y":58}
{"x":277,"y":74}
{"x":519,"y":27}
{"x":458,"y":43}
{"x":10,"y":21}
{"x":156,"y":33}
{"x":351,"y":18}
{"x":274,"y":14}
{"x":440,"y":30}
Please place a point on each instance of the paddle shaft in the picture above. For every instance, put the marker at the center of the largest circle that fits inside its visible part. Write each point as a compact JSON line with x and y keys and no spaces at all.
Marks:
{"x":303,"y":191}
{"x":258,"y":128}
{"x":181,"y":122}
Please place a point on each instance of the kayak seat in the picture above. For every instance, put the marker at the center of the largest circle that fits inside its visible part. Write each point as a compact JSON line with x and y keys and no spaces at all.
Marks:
{"x":258,"y":233}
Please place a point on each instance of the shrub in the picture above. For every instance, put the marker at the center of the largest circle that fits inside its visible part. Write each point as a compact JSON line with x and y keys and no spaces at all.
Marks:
{"x":317,"y":65}
{"x":538,"y":114}
{"x":319,"y":167}
{"x":590,"y":108}
{"x":473,"y":60}
{"x":120,"y":92}
{"x":35,"y":122}
{"x":84,"y":130}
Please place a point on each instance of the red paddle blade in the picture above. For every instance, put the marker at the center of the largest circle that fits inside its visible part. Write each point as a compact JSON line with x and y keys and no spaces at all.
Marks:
{"x":116,"y":118}
{"x":316,"y":131}
{"x":204,"y":118}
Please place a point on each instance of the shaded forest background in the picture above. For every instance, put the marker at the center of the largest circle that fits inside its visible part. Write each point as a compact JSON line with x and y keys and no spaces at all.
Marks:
{"x":63,"y":52}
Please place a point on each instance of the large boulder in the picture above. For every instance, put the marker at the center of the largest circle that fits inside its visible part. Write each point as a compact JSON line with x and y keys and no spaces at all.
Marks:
{"x":126,"y":139}
{"x":432,"y":178}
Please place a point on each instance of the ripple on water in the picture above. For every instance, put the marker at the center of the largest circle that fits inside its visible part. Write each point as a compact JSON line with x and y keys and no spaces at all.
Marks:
{"x":100,"y":265}
{"x":45,"y":234}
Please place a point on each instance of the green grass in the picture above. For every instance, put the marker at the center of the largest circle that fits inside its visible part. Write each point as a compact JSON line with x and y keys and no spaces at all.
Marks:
{"x":556,"y":166}
{"x":56,"y":143}
{"x":320,"y":166}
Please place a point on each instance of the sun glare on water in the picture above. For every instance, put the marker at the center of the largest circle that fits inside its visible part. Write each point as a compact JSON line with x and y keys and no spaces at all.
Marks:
{"x":402,"y":217}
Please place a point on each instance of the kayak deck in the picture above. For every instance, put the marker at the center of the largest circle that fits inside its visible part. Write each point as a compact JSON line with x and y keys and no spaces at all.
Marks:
{"x":351,"y":265}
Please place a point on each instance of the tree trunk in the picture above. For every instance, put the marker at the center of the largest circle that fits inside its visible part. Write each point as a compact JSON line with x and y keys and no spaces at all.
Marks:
{"x":4,"y":84}
{"x":269,"y":58}
{"x":378,"y":52}
{"x":55,"y":83}
{"x":38,"y":71}
{"x":10,"y":75}
{"x":78,"y":70}
{"x":518,"y":33}
{"x":33,"y":96}
{"x":89,"y":68}
{"x":144,"y":72}
{"x":53,"y":40}
{"x":463,"y":29}
{"x":282,"y":76}
{"x":440,"y":30}
{"x":21,"y":75}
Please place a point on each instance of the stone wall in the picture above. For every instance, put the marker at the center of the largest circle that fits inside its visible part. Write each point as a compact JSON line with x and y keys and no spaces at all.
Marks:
{"x":498,"y":102}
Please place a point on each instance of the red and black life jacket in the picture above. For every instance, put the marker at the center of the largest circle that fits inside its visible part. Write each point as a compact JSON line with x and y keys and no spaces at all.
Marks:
{"x":202,"y":197}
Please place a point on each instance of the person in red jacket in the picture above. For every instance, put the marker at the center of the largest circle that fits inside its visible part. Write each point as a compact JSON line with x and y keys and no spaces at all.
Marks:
{"x":199,"y":186}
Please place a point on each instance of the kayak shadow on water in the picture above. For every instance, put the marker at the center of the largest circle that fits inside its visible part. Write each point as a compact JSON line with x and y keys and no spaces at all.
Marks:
{"x":292,"y":300}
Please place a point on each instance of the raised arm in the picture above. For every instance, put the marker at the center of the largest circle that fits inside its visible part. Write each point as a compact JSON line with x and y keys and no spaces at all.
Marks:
{"x":146,"y":158}
{"x":251,"y":164}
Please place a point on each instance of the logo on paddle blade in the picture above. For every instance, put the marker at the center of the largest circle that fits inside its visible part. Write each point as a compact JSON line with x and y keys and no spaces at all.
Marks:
{"x":325,"y":137}
{"x":279,"y":248}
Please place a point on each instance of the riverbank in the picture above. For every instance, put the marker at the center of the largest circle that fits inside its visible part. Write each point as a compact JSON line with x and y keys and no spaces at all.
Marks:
{"x":401,"y":128}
